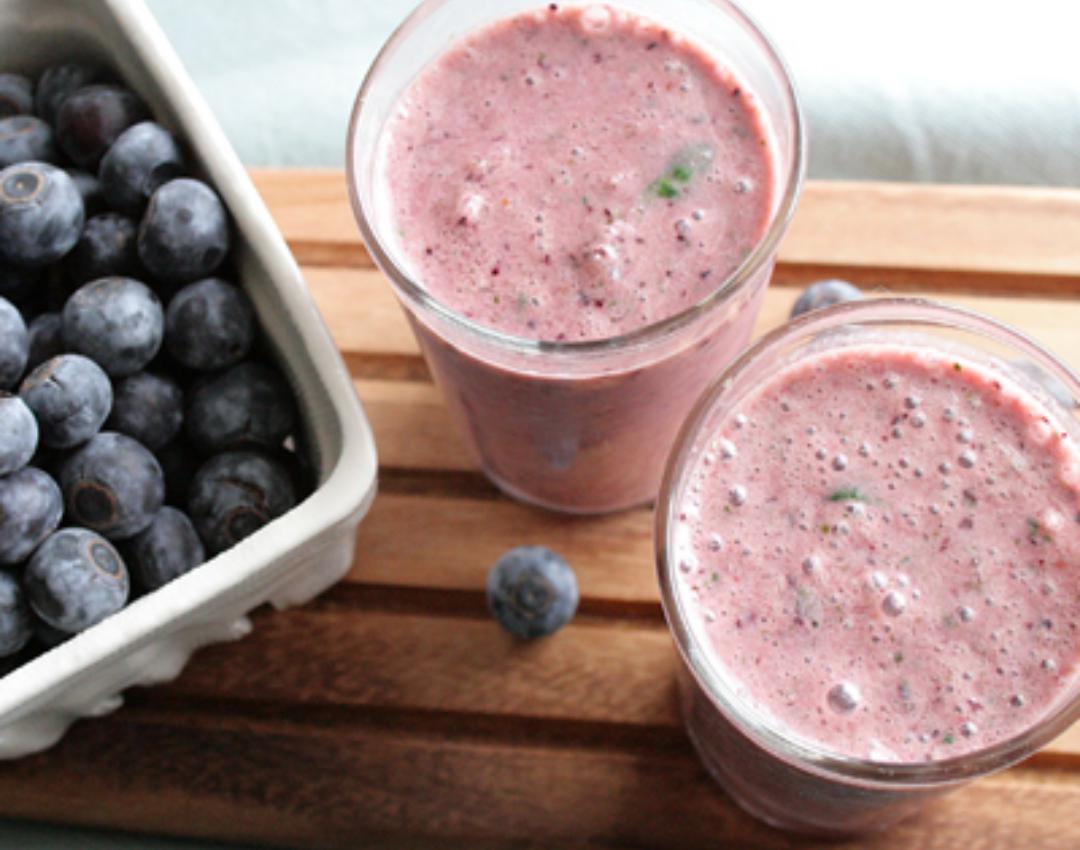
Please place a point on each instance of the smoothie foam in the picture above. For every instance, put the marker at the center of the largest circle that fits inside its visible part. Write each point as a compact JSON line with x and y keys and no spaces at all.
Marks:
{"x":881,"y":551}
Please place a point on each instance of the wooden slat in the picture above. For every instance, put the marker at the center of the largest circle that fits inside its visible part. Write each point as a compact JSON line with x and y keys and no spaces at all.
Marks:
{"x":976,"y":238}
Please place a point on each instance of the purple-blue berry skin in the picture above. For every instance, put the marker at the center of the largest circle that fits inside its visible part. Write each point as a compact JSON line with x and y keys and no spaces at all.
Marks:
{"x":184,"y":235}
{"x":41,"y":214}
{"x":143,"y":158}
{"x":234,"y":494}
{"x":57,"y":82}
{"x":117,"y":322}
{"x":148,"y":408}
{"x":209,"y":325}
{"x":92,"y":118}
{"x":23,"y":138}
{"x":18,"y":434}
{"x":532,"y":592}
{"x":45,"y":339}
{"x":89,"y":190}
{"x":247,"y":405}
{"x":112,"y":485}
{"x":165,"y":551}
{"x":825,"y":293}
{"x":106,"y":248}
{"x":14,"y":345}
{"x":75,"y":580}
{"x":70,"y":396}
{"x":16,"y":95}
{"x":31,"y":507}
{"x":16,"y":623}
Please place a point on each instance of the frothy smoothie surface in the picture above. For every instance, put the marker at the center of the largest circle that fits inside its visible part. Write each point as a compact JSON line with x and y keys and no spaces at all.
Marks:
{"x":882,"y":548}
{"x":575,"y":173}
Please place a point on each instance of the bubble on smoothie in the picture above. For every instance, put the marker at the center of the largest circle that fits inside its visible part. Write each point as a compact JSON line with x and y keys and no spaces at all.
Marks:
{"x":917,"y":419}
{"x":966,"y":613}
{"x":716,"y":543}
{"x":812,"y":564}
{"x":840,"y":462}
{"x":737,"y":495}
{"x":698,"y":215}
{"x":821,"y":454}
{"x":727,"y":449}
{"x":878,"y":580}
{"x":471,"y":206}
{"x":864,"y":449}
{"x":739,"y":420}
{"x":945,"y":467}
{"x":912,"y":401}
{"x":710,"y":616}
{"x":688,"y":563}
{"x":1049,"y":665}
{"x":965,"y":435}
{"x":948,"y":414}
{"x":1017,"y":701}
{"x":856,"y":510}
{"x":897,"y":432}
{"x":683,"y":228}
{"x":743,"y":185}
{"x":890,"y":381}
{"x":967,"y":458}
{"x":596,"y":19}
{"x":844,"y":698}
{"x":894,"y":603}
{"x":967,"y":729}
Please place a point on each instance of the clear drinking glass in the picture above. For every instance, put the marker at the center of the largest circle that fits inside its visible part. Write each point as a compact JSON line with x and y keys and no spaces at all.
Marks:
{"x":582,"y":427}
{"x":789,"y":782}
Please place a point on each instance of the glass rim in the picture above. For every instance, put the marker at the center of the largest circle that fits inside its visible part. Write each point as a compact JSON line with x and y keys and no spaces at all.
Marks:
{"x":735,"y":282}
{"x":876,"y":312}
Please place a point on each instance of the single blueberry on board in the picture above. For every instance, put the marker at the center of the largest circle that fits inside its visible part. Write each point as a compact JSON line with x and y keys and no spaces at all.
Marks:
{"x":57,"y":82}
{"x":234,"y":494}
{"x":825,"y":293}
{"x":184,"y":235}
{"x":41,"y":214}
{"x":45,"y":339}
{"x":16,"y":622}
{"x":70,"y":396}
{"x":106,"y":248}
{"x":91,"y":118}
{"x":18,"y":434}
{"x":30,"y":508}
{"x":75,"y":580}
{"x":532,"y":592}
{"x":113,"y":485}
{"x":14,"y":345}
{"x":247,"y":405}
{"x":209,"y":325}
{"x":143,"y":157}
{"x":166,"y":550}
{"x":16,"y":95}
{"x":23,"y":138}
{"x":148,"y":408}
{"x":115,"y":321}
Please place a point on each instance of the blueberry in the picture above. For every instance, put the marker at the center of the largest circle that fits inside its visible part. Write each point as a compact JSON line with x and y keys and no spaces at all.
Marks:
{"x":89,"y":190}
{"x":184,"y":234}
{"x":14,"y":345}
{"x":18,"y":434}
{"x":166,"y":550}
{"x":142,"y":158}
{"x":92,"y":118}
{"x":41,"y":214}
{"x":148,"y":408}
{"x":46,"y":339}
{"x":532,"y":592}
{"x":112,"y":485}
{"x":75,"y":580}
{"x":70,"y":396}
{"x":209,"y":325}
{"x":30,"y":509}
{"x":247,"y":405}
{"x":234,"y":494}
{"x":825,"y":293}
{"x":59,"y":81}
{"x":115,"y":321}
{"x":16,"y":623}
{"x":106,"y":248}
{"x":179,"y":461}
{"x":16,"y":95}
{"x":23,"y":138}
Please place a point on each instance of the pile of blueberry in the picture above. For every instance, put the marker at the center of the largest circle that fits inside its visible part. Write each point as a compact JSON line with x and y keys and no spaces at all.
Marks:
{"x":143,"y":426}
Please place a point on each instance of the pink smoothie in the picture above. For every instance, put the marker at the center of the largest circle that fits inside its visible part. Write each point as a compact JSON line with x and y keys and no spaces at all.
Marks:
{"x":881,"y":547}
{"x":568,"y":175}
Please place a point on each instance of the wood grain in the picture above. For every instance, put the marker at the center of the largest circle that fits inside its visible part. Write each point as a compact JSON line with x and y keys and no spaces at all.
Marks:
{"x":392,"y":713}
{"x":973,"y":238}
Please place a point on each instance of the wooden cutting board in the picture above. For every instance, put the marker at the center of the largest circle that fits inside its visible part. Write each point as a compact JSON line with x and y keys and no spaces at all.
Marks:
{"x":393,"y":713}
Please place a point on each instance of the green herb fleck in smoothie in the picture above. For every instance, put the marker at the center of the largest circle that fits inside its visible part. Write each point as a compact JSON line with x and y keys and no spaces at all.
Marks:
{"x":948,"y":738}
{"x":848,"y":494}
{"x":1037,"y":532}
{"x":687,"y":162}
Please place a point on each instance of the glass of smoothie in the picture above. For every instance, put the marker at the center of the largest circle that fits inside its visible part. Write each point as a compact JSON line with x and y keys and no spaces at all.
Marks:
{"x":868,"y":541}
{"x":579,"y":207}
